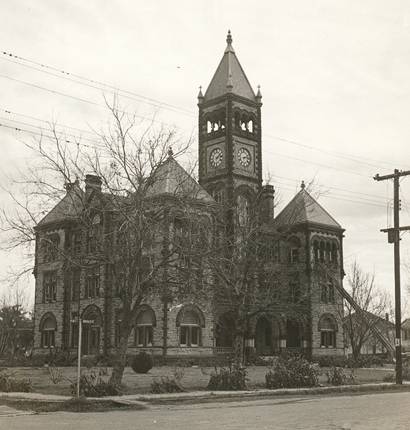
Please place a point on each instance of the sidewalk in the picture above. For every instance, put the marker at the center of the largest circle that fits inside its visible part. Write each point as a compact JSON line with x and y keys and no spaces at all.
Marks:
{"x":198,"y":396}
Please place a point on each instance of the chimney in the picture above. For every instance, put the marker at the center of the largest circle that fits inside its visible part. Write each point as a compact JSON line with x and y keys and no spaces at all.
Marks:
{"x":70,"y":185}
{"x":92,"y":183}
{"x":267,"y":203}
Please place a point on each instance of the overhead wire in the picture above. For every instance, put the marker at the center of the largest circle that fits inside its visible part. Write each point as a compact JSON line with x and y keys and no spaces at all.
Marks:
{"x":67,"y":75}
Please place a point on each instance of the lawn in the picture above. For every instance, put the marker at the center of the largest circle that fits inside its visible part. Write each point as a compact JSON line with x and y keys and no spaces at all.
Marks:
{"x":194,"y":378}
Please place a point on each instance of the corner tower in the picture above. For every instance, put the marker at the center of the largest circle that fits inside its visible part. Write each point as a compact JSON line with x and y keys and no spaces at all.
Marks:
{"x":230,"y":156}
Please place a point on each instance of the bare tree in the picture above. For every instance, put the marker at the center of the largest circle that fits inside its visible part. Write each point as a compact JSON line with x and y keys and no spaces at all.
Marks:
{"x":120,"y":226}
{"x":373,"y":304}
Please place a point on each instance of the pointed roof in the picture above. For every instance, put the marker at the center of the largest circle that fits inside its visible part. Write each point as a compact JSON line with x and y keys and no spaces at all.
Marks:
{"x":68,"y":208}
{"x":171,"y":178}
{"x":304,"y":209}
{"x":229,"y":77}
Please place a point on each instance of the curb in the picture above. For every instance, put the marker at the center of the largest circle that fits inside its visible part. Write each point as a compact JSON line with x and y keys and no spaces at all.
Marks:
{"x":199,"y":396}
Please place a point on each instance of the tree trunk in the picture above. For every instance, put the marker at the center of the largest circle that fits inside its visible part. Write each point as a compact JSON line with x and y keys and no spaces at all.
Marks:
{"x":120,"y":361}
{"x":238,"y":349}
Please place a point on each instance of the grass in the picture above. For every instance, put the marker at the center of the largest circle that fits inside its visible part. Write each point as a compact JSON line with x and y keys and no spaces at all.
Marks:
{"x":194,"y":378}
{"x":72,"y":405}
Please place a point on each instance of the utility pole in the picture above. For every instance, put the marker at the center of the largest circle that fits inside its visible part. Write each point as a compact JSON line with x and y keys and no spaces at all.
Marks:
{"x":393,"y":236}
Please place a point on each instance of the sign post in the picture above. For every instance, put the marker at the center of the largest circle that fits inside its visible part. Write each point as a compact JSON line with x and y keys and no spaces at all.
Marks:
{"x":80,"y":329}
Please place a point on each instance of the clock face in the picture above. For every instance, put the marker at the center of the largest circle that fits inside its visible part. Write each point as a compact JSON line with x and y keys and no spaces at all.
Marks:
{"x":215,"y":158}
{"x":244,"y":157}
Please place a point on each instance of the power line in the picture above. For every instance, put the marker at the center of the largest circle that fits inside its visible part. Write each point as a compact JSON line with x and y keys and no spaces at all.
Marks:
{"x":374,"y":196}
{"x":61,"y":74}
{"x":67,"y":75}
{"x":79,"y":99}
{"x":350,"y":157}
{"x":318,"y":164}
{"x":9,"y":112}
{"x":336,"y":197}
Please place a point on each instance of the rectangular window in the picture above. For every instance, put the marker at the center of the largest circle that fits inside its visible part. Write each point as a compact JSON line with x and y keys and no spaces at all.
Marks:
{"x":184,"y":336}
{"x":48,"y":338}
{"x":143,"y":335}
{"x":327,"y":339}
{"x":294,"y":255}
{"x":75,"y":284}
{"x":50,"y":244}
{"x":76,"y":239}
{"x":190,"y":335}
{"x":49,"y":287}
{"x":92,"y":284}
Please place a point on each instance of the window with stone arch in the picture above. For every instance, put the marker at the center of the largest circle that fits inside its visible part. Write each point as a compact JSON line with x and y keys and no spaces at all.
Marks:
{"x":243,"y":210}
{"x":190,"y":321}
{"x":48,"y":328}
{"x":144,"y":327}
{"x":328,"y":329}
{"x":215,"y":122}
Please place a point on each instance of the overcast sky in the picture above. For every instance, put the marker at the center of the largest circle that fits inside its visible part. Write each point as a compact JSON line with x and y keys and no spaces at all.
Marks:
{"x":334,"y":77}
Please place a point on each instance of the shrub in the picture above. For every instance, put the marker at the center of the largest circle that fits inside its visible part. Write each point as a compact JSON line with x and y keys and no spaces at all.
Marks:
{"x":406,"y":370}
{"x":9,"y":384}
{"x":391,"y":377}
{"x":332,"y":361}
{"x":337,"y":376}
{"x":142,"y":363}
{"x":92,"y":384}
{"x":292,"y":372}
{"x":226,"y":379}
{"x":166,"y":384}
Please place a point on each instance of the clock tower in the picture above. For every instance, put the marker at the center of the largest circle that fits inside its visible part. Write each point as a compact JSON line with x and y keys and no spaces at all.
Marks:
{"x":230,"y":156}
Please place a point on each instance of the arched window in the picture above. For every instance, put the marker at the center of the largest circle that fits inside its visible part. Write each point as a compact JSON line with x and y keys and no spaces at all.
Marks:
{"x":48,"y":328}
{"x":327,"y":328}
{"x":144,"y":327}
{"x":92,"y":322}
{"x":250,"y":126}
{"x":243,"y":210}
{"x":190,"y":320}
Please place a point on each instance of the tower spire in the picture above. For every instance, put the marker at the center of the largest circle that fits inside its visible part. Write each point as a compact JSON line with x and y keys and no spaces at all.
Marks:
{"x":229,"y":47}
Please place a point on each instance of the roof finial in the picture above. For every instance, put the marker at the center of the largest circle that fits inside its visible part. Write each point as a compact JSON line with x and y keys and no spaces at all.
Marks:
{"x":200,"y":95}
{"x":259,"y":95}
{"x":170,"y":152}
{"x":229,"y":38}
{"x":302,"y":185}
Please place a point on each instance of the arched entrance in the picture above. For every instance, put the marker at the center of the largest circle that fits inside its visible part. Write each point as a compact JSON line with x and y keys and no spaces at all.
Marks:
{"x":91,"y":330}
{"x":263,"y":337}
{"x":224,"y":331}
{"x":293,"y":334}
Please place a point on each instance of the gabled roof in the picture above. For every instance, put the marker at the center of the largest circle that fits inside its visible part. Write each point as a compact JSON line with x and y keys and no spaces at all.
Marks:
{"x":381,"y":323}
{"x":229,"y":77}
{"x":304,"y":209}
{"x":69,"y":207}
{"x":171,"y":178}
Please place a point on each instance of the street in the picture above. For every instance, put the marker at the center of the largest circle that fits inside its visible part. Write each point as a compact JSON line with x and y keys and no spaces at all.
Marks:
{"x":372,"y":411}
